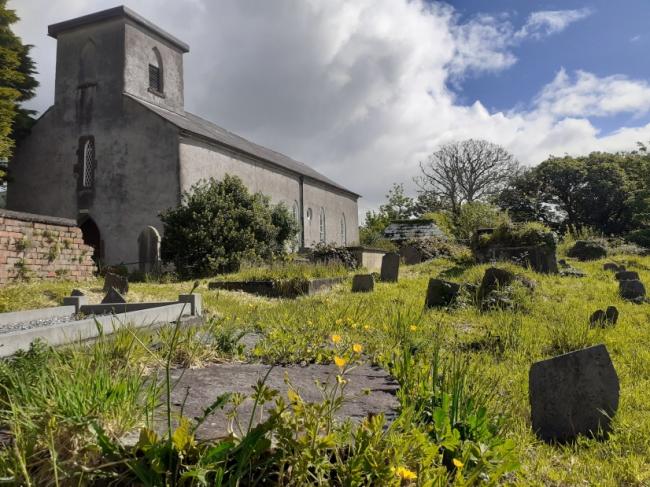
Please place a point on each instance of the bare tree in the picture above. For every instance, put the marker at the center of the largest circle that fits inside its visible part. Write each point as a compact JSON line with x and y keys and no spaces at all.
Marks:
{"x":466,"y":171}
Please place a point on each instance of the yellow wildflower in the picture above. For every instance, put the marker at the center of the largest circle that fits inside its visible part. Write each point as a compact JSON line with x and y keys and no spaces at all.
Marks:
{"x":340,"y":362}
{"x":366,"y":327}
{"x":413,"y":328}
{"x":457,"y":463}
{"x":357,"y":348}
{"x":336,"y":338}
{"x":293,"y":396}
{"x":338,"y":321}
{"x":405,"y":474}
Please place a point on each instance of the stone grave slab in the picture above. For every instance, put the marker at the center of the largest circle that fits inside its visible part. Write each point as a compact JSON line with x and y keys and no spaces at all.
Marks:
{"x":119,"y":283}
{"x":572,"y":394}
{"x":632,"y":290}
{"x":627,"y":276}
{"x":390,"y":267}
{"x":363,"y":283}
{"x":369,"y":391}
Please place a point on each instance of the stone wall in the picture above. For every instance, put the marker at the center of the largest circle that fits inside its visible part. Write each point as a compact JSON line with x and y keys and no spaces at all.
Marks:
{"x":42,"y":247}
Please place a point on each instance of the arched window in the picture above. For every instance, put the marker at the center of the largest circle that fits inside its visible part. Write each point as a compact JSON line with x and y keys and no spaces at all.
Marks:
{"x":344,"y":236}
{"x":156,"y":71}
{"x":296,"y":212}
{"x":323,"y":235}
{"x":88,"y":64}
{"x":88,"y":173}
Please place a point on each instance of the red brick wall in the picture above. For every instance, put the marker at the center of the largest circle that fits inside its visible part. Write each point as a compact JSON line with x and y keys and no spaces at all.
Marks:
{"x":42,"y":247}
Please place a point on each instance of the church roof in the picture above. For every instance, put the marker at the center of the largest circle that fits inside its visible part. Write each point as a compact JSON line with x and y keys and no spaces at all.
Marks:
{"x":203,"y":128}
{"x":55,"y":29}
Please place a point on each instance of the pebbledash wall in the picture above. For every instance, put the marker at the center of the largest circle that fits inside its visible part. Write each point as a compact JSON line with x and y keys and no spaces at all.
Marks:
{"x":42,"y":247}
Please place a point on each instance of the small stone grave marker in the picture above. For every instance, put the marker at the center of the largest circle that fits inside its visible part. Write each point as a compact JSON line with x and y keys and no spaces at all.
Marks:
{"x":611,"y":313}
{"x":627,"y":276}
{"x":610,"y":266}
{"x":363,"y":283}
{"x":119,"y":283}
{"x":603,"y":318}
{"x":441,"y":293}
{"x":572,"y":394}
{"x":632,"y":290}
{"x":112,"y":297}
{"x":390,"y":267}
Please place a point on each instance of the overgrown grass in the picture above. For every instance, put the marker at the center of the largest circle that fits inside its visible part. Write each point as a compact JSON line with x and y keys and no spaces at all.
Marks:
{"x":286,"y":271}
{"x":490,"y":351}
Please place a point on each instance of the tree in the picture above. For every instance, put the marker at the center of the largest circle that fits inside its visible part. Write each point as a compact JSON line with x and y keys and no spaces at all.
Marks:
{"x":219,"y":224}
{"x":17,"y":83}
{"x":466,"y":171}
{"x":398,"y":206}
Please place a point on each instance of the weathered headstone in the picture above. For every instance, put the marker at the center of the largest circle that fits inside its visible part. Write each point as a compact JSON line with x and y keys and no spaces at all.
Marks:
{"x":632,"y":290}
{"x":610,"y":266}
{"x":363,"y":283}
{"x":119,"y":283}
{"x":441,"y":293}
{"x":77,"y":292}
{"x":493,"y":279}
{"x":113,"y":296}
{"x":390,"y":267}
{"x":149,"y":250}
{"x":611,"y":314}
{"x":410,"y":254}
{"x":597,"y":318}
{"x":573,"y":394}
{"x":627,"y":276}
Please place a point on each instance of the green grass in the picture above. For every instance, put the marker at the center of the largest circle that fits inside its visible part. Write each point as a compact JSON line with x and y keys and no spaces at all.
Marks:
{"x":497,"y":348}
{"x":286,"y":271}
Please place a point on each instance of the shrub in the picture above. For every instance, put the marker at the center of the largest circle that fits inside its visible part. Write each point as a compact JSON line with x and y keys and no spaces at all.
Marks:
{"x":639,"y":237}
{"x":523,"y":235}
{"x":477,"y":215}
{"x":330,"y":254}
{"x":432,"y":248}
{"x":218,"y":224}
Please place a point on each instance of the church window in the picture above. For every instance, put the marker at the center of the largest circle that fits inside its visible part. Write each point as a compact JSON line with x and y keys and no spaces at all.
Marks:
{"x":309,"y":214}
{"x":88,"y":174}
{"x":323,"y":235}
{"x":344,"y":237}
{"x":155,"y":71}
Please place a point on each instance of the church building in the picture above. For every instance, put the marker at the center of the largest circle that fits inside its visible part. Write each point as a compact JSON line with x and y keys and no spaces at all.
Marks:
{"x":117,"y":147}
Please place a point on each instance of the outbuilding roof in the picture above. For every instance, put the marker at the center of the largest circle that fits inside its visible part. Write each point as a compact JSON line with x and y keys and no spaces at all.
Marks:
{"x":196,"y":125}
{"x":413,"y":230}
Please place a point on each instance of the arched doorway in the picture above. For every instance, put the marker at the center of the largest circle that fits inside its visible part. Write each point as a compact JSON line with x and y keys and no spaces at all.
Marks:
{"x":92,"y":237}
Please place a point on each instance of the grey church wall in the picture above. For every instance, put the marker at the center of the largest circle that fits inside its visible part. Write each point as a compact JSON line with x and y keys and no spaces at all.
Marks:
{"x":138,"y":55}
{"x":335,"y":204}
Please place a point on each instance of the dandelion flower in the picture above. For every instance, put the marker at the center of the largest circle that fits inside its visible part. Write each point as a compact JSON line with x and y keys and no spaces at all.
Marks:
{"x":405,"y":474}
{"x":457,"y":463}
{"x":340,"y":362}
{"x":336,"y":338}
{"x":357,"y":348}
{"x":413,"y":328}
{"x":366,"y":327}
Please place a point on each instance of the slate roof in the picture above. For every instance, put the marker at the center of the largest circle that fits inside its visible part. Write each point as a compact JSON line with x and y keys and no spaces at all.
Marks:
{"x":198,"y":126}
{"x":413,"y":230}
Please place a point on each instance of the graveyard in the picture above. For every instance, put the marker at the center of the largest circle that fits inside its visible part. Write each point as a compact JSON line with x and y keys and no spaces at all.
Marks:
{"x":373,"y":353}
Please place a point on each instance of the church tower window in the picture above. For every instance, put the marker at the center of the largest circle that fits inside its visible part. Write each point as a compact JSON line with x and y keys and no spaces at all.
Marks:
{"x":155,"y":72}
{"x":88,"y":173}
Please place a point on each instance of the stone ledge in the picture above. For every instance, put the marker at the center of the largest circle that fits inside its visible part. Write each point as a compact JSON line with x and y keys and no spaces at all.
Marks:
{"x":34,"y":218}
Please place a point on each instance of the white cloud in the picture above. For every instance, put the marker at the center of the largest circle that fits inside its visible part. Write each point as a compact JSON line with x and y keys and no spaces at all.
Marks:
{"x":360,"y":90}
{"x":548,"y":22}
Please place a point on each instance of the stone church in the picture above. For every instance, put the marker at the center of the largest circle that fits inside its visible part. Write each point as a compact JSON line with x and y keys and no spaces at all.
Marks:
{"x":117,"y":147}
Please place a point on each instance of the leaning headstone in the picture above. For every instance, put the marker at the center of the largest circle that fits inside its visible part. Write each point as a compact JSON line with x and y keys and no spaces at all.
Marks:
{"x":627,"y":276}
{"x":363,"y":283}
{"x":632,"y":290}
{"x":77,"y":292}
{"x":113,"y":297}
{"x":611,"y":314}
{"x":149,"y":250}
{"x":410,"y":254}
{"x":610,"y":266}
{"x":573,"y":394}
{"x":441,"y":293}
{"x":119,"y":283}
{"x":390,"y":267}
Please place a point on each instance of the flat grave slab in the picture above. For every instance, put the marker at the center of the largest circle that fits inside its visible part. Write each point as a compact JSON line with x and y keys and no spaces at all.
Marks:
{"x":370,"y":390}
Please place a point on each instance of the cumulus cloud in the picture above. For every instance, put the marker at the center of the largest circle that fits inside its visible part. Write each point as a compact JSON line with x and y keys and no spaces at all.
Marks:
{"x":548,"y":22}
{"x":360,"y":90}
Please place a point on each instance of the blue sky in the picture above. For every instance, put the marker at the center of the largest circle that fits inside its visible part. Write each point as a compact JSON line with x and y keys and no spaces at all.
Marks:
{"x":364,"y":90}
{"x":613,"y":38}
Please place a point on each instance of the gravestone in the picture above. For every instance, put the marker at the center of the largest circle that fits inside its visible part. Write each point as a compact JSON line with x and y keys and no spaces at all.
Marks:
{"x":390,"y":267}
{"x":363,"y":283}
{"x":441,"y":293}
{"x":573,"y":394}
{"x":627,"y":276}
{"x":113,"y":296}
{"x":632,"y":290}
{"x":597,"y":318}
{"x":149,"y":250}
{"x":611,"y":314}
{"x":410,"y":254}
{"x":119,"y":283}
{"x":587,"y":250}
{"x":610,"y":266}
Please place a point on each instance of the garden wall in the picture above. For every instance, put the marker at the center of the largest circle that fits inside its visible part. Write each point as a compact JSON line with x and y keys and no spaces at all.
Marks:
{"x":42,"y":247}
